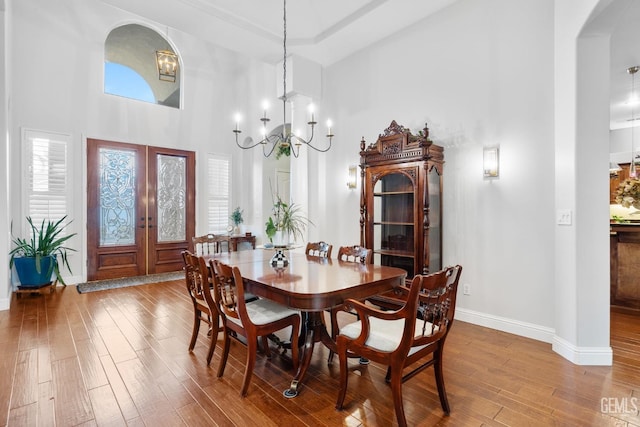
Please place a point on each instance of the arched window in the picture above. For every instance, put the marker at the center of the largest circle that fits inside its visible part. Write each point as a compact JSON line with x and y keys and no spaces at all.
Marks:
{"x":140,"y":64}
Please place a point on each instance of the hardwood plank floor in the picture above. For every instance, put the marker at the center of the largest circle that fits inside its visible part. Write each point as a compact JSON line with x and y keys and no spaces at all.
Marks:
{"x":119,"y":357}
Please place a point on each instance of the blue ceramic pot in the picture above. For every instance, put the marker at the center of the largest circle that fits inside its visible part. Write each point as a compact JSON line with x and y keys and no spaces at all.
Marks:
{"x":29,"y":276}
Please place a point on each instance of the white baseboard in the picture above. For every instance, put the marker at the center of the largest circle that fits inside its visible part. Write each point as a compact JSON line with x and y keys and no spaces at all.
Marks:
{"x":524,"y":329}
{"x":595,"y":356}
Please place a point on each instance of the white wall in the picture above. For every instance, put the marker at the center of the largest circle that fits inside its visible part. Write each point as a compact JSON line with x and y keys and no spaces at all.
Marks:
{"x":478,"y":77}
{"x":5,"y":291}
{"x":479,"y":72}
{"x":57,"y":61}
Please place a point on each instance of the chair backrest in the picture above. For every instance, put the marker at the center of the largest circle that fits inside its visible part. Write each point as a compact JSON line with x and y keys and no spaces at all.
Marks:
{"x":355,"y":254}
{"x":228,"y":290}
{"x":198,"y":278}
{"x":189,"y":274}
{"x":210,"y":244}
{"x":320,"y":249}
{"x":435,"y":303}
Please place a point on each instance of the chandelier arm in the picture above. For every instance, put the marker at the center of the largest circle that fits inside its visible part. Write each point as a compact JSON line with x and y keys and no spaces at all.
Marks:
{"x":321,"y":150}
{"x":246,"y":147}
{"x":285,"y":137}
{"x":273,"y":140}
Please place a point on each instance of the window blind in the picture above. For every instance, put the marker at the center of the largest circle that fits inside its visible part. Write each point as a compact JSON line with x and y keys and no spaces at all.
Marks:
{"x":45,"y":162}
{"x":219,"y":170}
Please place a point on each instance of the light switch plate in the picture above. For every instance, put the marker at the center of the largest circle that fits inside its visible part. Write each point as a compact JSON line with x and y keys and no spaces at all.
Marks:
{"x":564,"y":216}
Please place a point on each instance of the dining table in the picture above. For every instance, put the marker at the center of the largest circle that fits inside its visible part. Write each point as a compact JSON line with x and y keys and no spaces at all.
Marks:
{"x":312,"y":285}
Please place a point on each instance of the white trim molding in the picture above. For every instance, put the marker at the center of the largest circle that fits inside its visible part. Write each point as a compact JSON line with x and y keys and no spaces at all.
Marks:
{"x":524,"y":329}
{"x":594,"y":356}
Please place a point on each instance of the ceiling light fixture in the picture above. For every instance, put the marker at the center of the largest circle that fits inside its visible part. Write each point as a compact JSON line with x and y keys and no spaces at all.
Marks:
{"x":284,"y":138}
{"x":167,"y":62}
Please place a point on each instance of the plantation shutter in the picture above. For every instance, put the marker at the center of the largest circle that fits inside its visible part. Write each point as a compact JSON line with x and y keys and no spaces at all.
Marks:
{"x":45,"y":159}
{"x":219,"y":179}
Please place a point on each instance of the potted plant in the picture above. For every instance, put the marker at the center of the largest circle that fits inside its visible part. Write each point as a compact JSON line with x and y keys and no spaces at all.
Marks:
{"x":36,"y":259}
{"x":286,"y":221}
{"x":236,"y":219}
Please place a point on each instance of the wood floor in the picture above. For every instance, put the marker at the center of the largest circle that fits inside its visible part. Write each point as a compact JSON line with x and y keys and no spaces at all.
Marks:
{"x":120,"y":357}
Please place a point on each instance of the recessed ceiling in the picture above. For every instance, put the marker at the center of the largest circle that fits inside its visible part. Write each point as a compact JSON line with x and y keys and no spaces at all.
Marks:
{"x":326,"y":31}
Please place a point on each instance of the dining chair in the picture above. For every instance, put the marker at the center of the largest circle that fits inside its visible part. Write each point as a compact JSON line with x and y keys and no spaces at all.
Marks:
{"x":319,"y":249}
{"x":259,"y":318}
{"x":405,"y":336}
{"x":355,"y":254}
{"x":204,"y":306}
{"x":210,"y":244}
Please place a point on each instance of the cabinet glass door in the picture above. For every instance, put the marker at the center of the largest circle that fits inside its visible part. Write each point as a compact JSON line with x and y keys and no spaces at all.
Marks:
{"x":393,"y":222}
{"x":435,"y":222}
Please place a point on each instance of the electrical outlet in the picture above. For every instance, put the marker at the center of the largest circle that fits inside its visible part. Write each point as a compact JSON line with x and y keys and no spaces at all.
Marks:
{"x":466,"y":289}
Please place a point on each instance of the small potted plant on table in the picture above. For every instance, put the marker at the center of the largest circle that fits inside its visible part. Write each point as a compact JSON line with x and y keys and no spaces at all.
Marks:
{"x":236,"y":219}
{"x":36,"y":259}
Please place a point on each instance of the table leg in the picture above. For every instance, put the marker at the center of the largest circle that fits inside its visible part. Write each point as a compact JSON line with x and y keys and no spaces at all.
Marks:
{"x":316,"y":332}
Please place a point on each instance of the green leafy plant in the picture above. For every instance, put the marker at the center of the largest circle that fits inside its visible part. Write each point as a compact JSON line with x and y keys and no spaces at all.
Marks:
{"x":283,"y":150}
{"x":288,"y":218}
{"x":236,"y":216}
{"x":270,"y":229}
{"x":46,"y":240}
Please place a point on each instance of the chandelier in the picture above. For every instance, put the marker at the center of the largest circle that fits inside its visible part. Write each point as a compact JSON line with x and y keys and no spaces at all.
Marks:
{"x":167,"y":63}
{"x":632,"y":101}
{"x":284,"y":139}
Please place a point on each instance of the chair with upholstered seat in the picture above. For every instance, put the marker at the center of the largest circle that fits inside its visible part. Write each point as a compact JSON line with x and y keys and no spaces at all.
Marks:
{"x":259,"y":318}
{"x":204,"y":307}
{"x":210,"y":244}
{"x":356,"y":254}
{"x":405,"y":336}
{"x":319,"y":249}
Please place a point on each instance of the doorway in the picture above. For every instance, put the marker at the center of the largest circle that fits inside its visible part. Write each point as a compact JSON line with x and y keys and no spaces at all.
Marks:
{"x":140,"y":208}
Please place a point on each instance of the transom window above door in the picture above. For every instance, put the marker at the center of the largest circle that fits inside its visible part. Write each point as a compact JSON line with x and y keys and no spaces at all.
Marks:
{"x":139,"y":63}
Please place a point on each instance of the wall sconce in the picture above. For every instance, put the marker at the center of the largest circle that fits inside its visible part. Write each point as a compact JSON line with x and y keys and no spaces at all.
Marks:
{"x":491,"y":162}
{"x":352,"y":180}
{"x":167,"y":62}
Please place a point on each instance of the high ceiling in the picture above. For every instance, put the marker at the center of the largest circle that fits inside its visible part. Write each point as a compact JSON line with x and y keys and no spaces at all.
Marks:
{"x":324,"y":31}
{"x":327,"y":31}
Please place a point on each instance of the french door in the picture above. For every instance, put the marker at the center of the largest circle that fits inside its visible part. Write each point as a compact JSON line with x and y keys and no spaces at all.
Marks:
{"x":140,"y":208}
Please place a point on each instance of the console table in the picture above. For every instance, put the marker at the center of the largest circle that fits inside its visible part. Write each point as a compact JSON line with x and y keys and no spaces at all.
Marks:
{"x":242,"y":238}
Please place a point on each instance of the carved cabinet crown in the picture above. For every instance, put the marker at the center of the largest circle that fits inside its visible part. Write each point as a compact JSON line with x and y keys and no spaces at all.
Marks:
{"x":397,"y":144}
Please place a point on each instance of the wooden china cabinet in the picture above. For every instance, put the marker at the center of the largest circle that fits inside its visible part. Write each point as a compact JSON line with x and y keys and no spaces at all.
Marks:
{"x":401,"y":200}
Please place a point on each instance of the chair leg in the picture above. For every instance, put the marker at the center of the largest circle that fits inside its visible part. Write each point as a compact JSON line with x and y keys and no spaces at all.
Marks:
{"x":225,"y":353}
{"x":334,"y":330}
{"x":295,"y":350}
{"x":437,"y":369}
{"x":265,"y":346}
{"x":344,"y":375}
{"x":215,"y":327}
{"x":252,"y":349}
{"x":396,"y":391}
{"x":196,"y":329}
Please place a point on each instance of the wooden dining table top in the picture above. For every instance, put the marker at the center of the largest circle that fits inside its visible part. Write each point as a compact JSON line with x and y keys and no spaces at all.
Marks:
{"x":310,"y":283}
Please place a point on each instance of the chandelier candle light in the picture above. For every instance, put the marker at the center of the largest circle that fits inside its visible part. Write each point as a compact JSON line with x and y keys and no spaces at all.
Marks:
{"x":286,"y":139}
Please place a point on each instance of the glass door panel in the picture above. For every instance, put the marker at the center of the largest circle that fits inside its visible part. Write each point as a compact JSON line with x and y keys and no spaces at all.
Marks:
{"x":393,"y":221}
